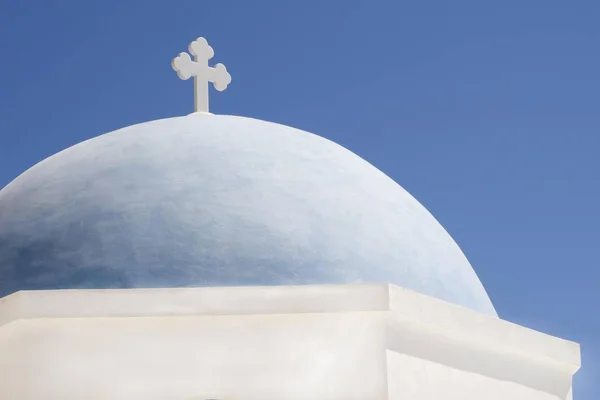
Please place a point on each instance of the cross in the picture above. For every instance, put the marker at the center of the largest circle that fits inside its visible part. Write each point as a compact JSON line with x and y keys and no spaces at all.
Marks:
{"x":202,"y":73}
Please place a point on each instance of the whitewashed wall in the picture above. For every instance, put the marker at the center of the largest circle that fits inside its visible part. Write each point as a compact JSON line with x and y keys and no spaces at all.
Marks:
{"x":315,"y":342}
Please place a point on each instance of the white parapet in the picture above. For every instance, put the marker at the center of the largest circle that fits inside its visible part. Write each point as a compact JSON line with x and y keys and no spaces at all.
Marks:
{"x":323,"y":342}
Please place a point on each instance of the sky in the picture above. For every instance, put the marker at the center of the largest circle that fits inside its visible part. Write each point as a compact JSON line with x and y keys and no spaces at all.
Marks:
{"x":486,"y":112}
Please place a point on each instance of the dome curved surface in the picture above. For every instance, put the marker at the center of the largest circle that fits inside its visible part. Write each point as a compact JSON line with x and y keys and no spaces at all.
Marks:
{"x":221,"y":200}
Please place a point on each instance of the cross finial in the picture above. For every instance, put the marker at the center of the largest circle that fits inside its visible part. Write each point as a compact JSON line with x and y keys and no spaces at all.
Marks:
{"x":202,"y":73}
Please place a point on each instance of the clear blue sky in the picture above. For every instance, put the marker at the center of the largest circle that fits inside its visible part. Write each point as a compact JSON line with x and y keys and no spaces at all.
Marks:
{"x":487,"y":112}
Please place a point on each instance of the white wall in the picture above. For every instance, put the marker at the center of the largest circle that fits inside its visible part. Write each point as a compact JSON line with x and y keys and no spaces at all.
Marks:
{"x":339,"y":342}
{"x":420,"y":379}
{"x":309,"y":356}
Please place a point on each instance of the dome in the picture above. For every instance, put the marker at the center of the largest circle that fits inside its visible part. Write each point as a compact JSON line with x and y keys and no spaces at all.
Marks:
{"x":207,"y":200}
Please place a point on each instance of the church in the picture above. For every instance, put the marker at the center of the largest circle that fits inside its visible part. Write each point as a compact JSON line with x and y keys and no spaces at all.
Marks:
{"x":224,"y":257}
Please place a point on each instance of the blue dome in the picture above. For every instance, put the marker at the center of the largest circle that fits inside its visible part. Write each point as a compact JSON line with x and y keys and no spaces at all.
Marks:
{"x":208,"y":200}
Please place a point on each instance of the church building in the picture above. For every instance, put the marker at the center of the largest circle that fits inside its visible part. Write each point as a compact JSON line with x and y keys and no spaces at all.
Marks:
{"x":224,"y":257}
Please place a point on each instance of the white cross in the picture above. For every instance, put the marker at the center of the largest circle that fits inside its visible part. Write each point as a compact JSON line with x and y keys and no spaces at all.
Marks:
{"x":202,"y":73}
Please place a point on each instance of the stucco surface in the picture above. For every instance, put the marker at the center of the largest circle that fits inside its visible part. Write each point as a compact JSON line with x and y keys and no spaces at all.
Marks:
{"x":329,"y":342}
